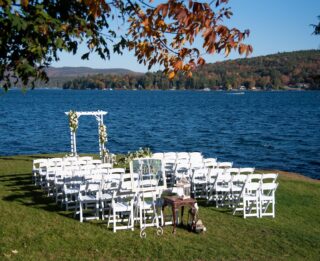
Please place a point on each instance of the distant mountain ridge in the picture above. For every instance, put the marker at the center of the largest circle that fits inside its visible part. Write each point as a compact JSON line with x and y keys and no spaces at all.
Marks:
{"x":287,"y":71}
{"x":274,"y":71}
{"x":55,"y":72}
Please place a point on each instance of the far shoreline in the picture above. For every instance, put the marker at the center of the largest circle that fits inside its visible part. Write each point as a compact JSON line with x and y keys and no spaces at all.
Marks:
{"x":171,"y":90}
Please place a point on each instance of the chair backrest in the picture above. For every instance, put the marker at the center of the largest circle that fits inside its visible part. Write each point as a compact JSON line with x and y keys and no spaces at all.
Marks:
{"x":210,"y":162}
{"x":70,"y":159}
{"x":37,"y":162}
{"x":182,"y":169}
{"x":246,"y":170}
{"x":252,"y":187}
{"x":269,"y":177}
{"x":182,"y":161}
{"x":87,"y":167}
{"x":119,"y":171}
{"x":223,"y":177}
{"x":225,"y":165}
{"x":213,"y":173}
{"x":233,"y":171}
{"x":158,"y":155}
{"x":183,"y":155}
{"x":254,"y":178}
{"x":55,"y":160}
{"x":93,"y":187}
{"x":96,"y":162}
{"x":268,"y":188}
{"x":170,"y":155}
{"x":126,"y":183}
{"x":104,"y":166}
{"x":71,"y":168}
{"x":240,"y":178}
{"x":169,"y":163}
{"x":115,"y":174}
{"x":195,"y":155}
{"x":110,"y":184}
{"x":201,"y":173}
{"x":86,"y":158}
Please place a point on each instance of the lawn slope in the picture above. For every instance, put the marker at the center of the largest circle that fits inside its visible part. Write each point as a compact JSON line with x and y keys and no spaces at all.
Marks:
{"x":32,"y":227}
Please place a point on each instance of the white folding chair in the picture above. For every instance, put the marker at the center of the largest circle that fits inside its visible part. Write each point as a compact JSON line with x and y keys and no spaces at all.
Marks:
{"x":121,"y":210}
{"x":199,"y":183}
{"x":182,"y":170}
{"x":109,"y":186}
{"x":70,"y":191}
{"x":36,"y":170}
{"x":148,"y":205}
{"x":169,"y":168}
{"x":237,"y":189}
{"x":251,"y":204}
{"x":88,"y":202}
{"x":221,"y":189}
{"x":267,"y":199}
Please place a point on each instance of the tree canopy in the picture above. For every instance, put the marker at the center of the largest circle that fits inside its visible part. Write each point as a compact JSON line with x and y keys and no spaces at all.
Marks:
{"x":316,"y":27}
{"x":33,"y":32}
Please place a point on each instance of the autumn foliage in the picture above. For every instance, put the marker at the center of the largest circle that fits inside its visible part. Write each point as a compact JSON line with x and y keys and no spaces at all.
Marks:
{"x":34,"y":32}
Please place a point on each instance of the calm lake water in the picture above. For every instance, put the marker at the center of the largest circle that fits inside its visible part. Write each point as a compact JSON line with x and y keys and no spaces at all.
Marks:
{"x":277,"y":130}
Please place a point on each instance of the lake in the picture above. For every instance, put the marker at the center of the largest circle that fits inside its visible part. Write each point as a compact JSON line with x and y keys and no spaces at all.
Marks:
{"x":273,"y":130}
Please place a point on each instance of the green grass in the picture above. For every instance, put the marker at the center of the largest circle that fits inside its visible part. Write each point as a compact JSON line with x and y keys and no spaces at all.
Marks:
{"x":32,"y":227}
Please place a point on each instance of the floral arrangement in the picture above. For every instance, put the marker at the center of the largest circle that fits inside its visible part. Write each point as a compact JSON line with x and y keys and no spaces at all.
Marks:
{"x":102,"y":134}
{"x":141,"y":153}
{"x":73,"y":121}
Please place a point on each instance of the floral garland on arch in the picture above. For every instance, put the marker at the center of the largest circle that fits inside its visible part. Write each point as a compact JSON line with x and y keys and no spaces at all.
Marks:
{"x":73,"y":121}
{"x":102,"y":134}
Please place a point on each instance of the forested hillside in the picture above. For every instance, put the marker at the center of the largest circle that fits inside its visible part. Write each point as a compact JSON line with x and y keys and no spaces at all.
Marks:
{"x":300,"y":69}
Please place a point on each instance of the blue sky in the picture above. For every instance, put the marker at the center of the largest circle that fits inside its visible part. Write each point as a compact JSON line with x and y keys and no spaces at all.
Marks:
{"x":275,"y":26}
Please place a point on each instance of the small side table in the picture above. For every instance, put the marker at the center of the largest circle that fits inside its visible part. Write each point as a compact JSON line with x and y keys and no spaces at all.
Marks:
{"x":177,"y":202}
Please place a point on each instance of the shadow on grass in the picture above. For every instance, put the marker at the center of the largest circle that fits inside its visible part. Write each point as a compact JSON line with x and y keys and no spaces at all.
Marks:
{"x":223,"y":210}
{"x":22,"y":190}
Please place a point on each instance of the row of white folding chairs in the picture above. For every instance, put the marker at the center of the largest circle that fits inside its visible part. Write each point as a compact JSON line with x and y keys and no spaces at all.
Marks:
{"x":200,"y":172}
{"x":60,"y":161}
{"x":60,"y":183}
{"x":237,"y":191}
{"x":177,"y":155}
{"x":47,"y":174}
{"x":223,"y":184}
{"x":202,"y":179}
{"x":176,"y":168}
{"x":257,"y":198}
{"x":41,"y":165}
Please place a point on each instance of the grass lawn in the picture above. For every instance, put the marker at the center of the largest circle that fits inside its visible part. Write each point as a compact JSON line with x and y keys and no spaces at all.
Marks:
{"x":33,"y":227}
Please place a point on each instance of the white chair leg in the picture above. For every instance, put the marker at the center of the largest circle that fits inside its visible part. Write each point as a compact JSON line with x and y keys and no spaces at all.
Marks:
{"x":114,"y":221}
{"x":132,"y":218}
{"x":80,"y":212}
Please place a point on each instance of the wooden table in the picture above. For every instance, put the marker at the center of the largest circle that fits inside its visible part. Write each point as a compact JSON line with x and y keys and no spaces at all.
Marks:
{"x":176,"y":202}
